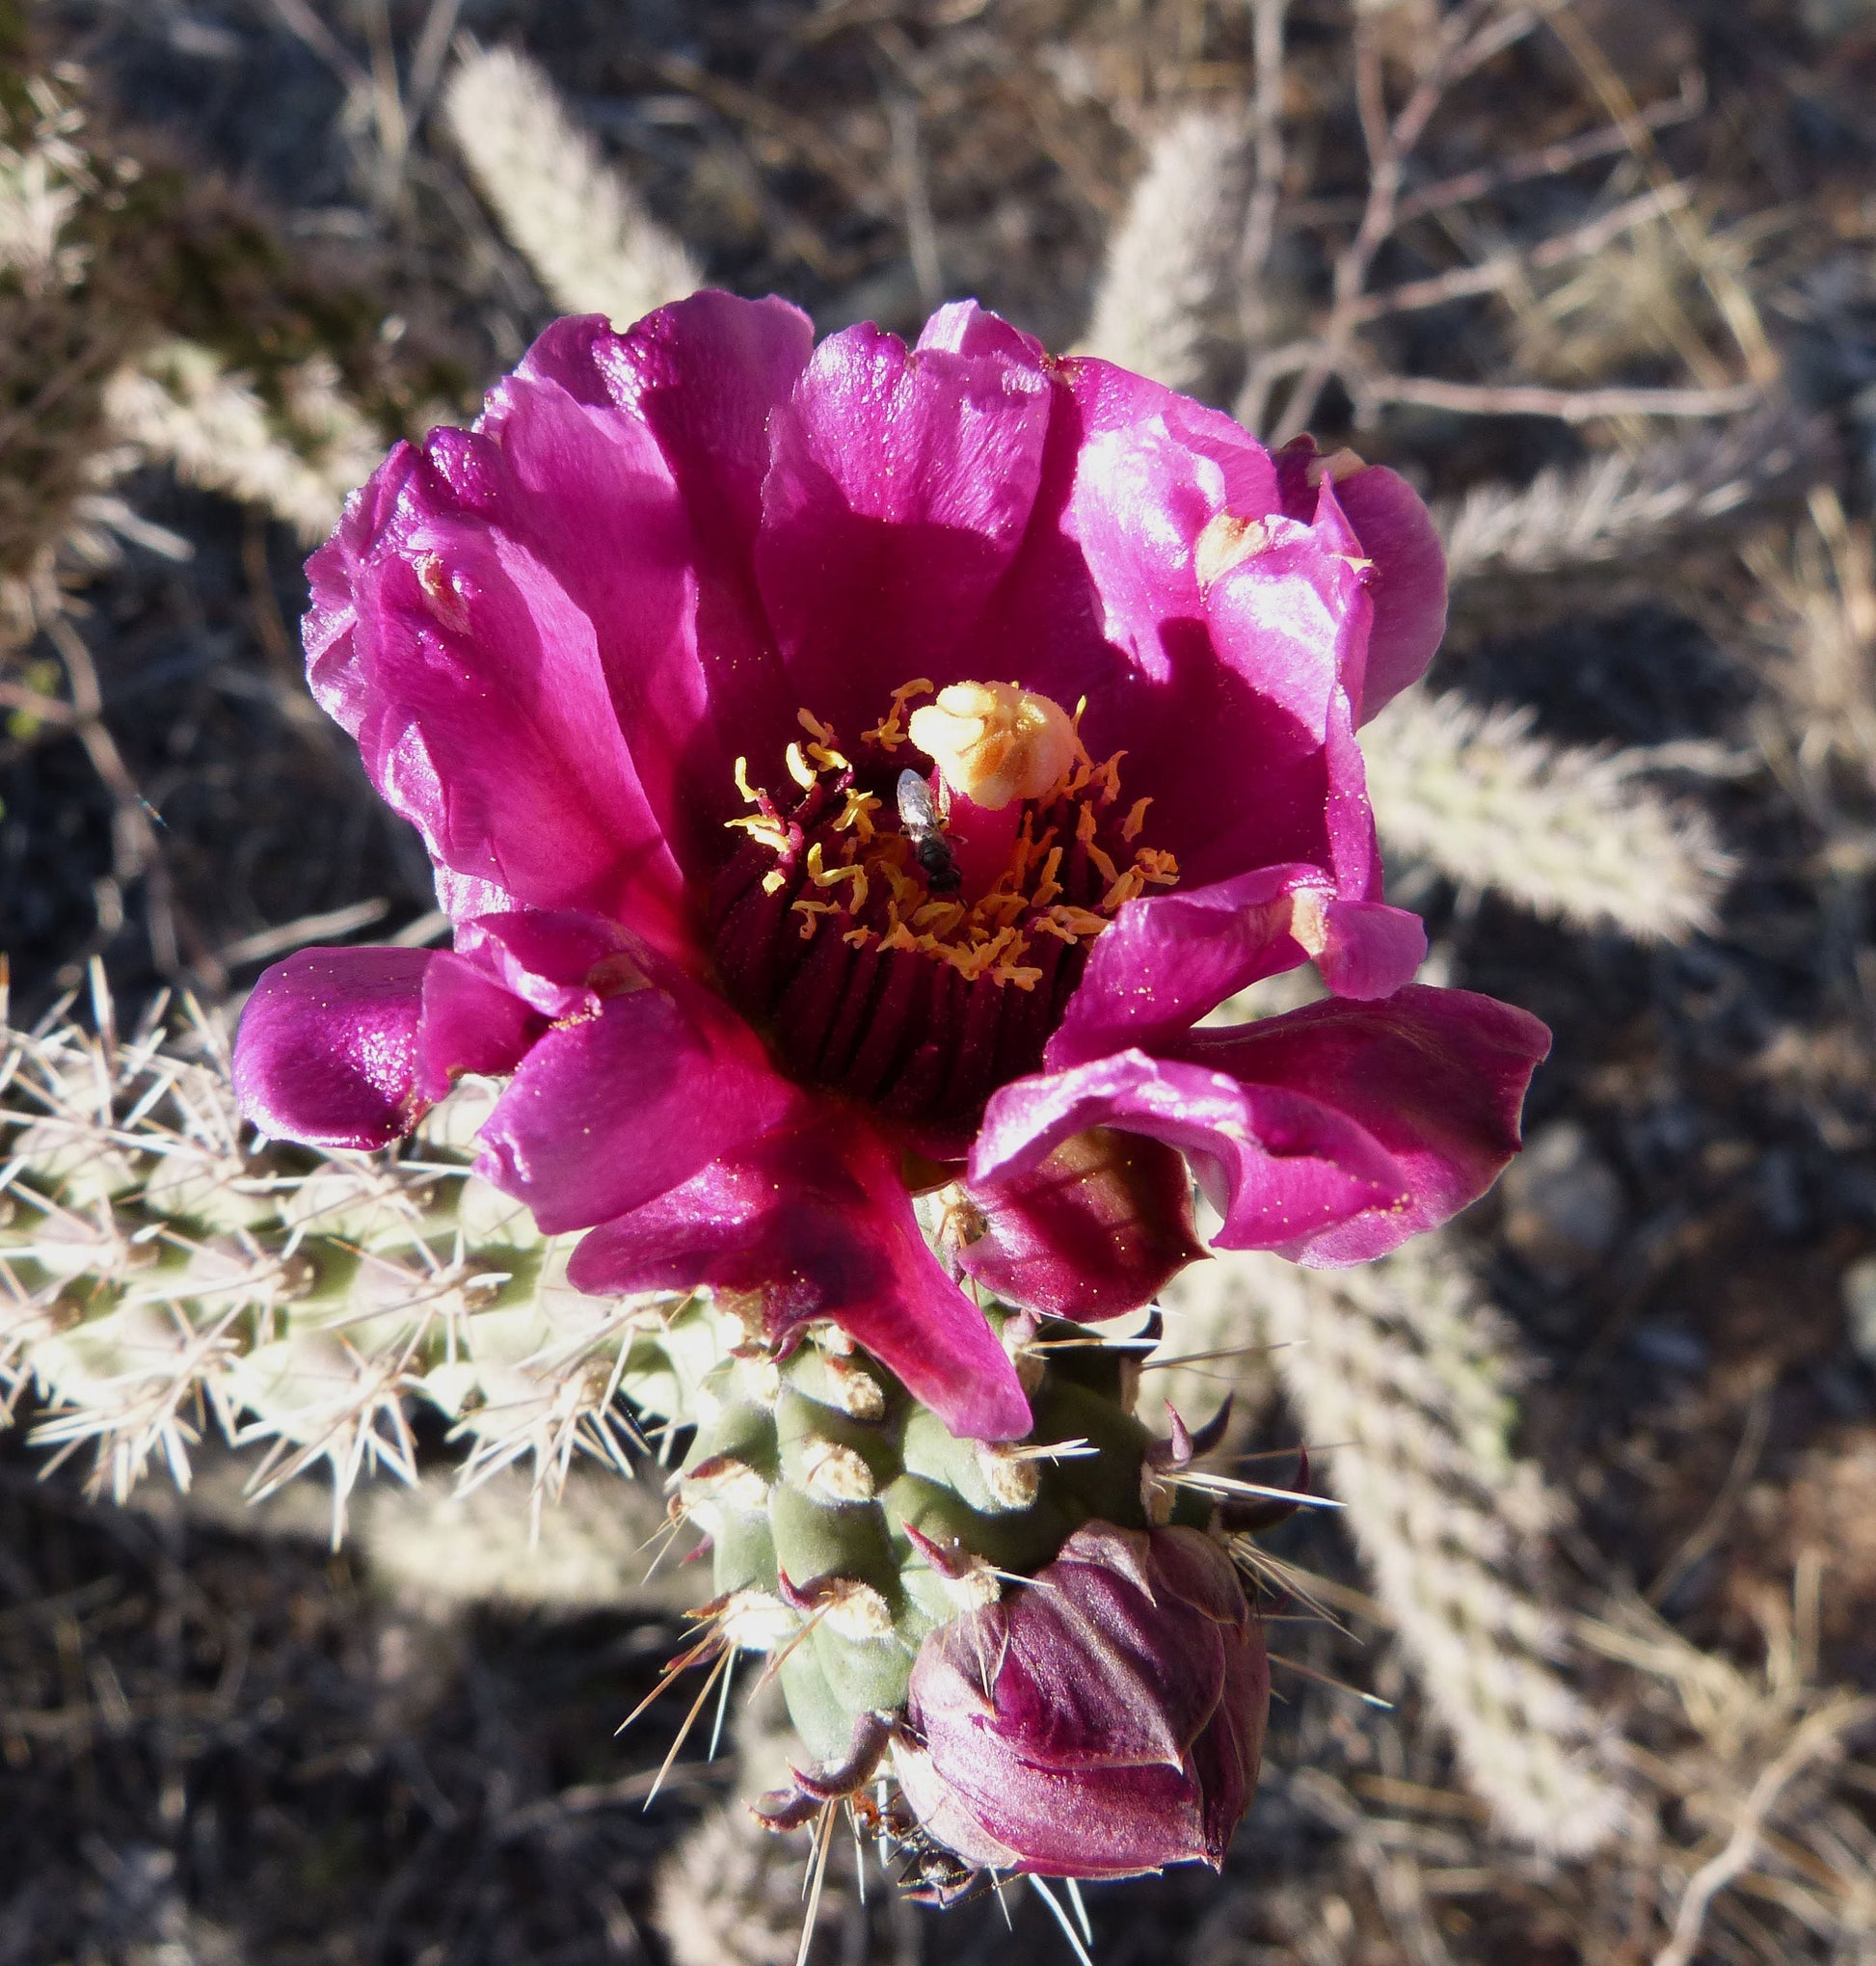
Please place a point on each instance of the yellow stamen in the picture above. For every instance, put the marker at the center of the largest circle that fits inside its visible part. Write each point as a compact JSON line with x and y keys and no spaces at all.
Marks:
{"x":1048,"y":887}
{"x":1074,"y":922}
{"x":761,"y":827}
{"x":1157,"y":865}
{"x":1023,"y":979}
{"x":1084,"y":824}
{"x":989,"y":738}
{"x":824,"y":876}
{"x":1126,"y":887}
{"x":857,"y":814}
{"x":889,"y":734}
{"x":939,"y":917}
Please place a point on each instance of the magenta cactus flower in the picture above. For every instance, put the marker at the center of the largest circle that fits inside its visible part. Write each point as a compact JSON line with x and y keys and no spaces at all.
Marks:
{"x":1103,"y":1720}
{"x":855,"y":769}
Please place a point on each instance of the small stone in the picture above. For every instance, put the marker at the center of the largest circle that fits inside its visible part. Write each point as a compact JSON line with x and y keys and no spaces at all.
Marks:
{"x":1859,"y":1287}
{"x":1563,"y":1204}
{"x":1673,"y":1347}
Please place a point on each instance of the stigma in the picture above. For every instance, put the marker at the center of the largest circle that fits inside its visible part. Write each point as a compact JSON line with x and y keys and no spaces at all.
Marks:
{"x":996,"y":742}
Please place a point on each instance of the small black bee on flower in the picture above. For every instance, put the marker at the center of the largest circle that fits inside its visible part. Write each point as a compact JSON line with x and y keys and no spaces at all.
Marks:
{"x":924,"y":827}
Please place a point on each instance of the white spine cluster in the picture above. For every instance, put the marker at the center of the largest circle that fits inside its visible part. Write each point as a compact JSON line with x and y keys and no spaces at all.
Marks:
{"x":579,"y":225}
{"x":1399,"y":1366}
{"x":1164,"y":294}
{"x":1567,"y":831}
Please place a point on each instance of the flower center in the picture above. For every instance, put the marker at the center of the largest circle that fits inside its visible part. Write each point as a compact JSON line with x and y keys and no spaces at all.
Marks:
{"x":908,"y":915}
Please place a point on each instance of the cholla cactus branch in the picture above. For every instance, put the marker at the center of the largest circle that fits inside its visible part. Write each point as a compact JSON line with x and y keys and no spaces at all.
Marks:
{"x":577,"y":220}
{"x":1617,"y":507}
{"x":1568,"y":832}
{"x":180,"y":406}
{"x":161,"y":1268}
{"x":65,"y":325}
{"x":1402,"y":1362}
{"x":1164,"y":294}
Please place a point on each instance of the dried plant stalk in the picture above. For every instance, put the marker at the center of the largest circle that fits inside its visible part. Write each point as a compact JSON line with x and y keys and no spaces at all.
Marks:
{"x":1165,"y":300}
{"x":575,"y":219}
{"x":1568,"y":832}
{"x":1402,"y":1366}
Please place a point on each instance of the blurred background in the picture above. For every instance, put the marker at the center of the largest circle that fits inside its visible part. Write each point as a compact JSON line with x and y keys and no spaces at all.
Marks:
{"x":1583,"y":1674}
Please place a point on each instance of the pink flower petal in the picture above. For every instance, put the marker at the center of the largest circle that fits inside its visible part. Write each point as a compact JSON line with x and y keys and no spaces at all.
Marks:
{"x":345,"y":1047}
{"x":1368,"y":949}
{"x":469,"y":1024}
{"x":1434,"y":1079}
{"x":1095,"y":1230}
{"x":607,"y":1115}
{"x":899,"y":493}
{"x":1169,"y":958}
{"x":563,"y":962}
{"x":1396,"y":534}
{"x":474,"y":688}
{"x":819,"y":1223}
{"x":326,"y":1048}
{"x":1277,"y":1162}
{"x":638,"y":461}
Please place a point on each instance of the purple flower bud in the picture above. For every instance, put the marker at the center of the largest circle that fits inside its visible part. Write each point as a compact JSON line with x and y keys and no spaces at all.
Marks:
{"x":1102,"y":1721}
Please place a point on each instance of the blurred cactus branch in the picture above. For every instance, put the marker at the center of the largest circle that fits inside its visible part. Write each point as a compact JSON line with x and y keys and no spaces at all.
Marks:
{"x":1626,"y":506}
{"x":582,"y":226}
{"x":1567,"y":831}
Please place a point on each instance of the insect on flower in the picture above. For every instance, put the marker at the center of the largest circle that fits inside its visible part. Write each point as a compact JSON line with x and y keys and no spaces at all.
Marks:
{"x":924,"y":827}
